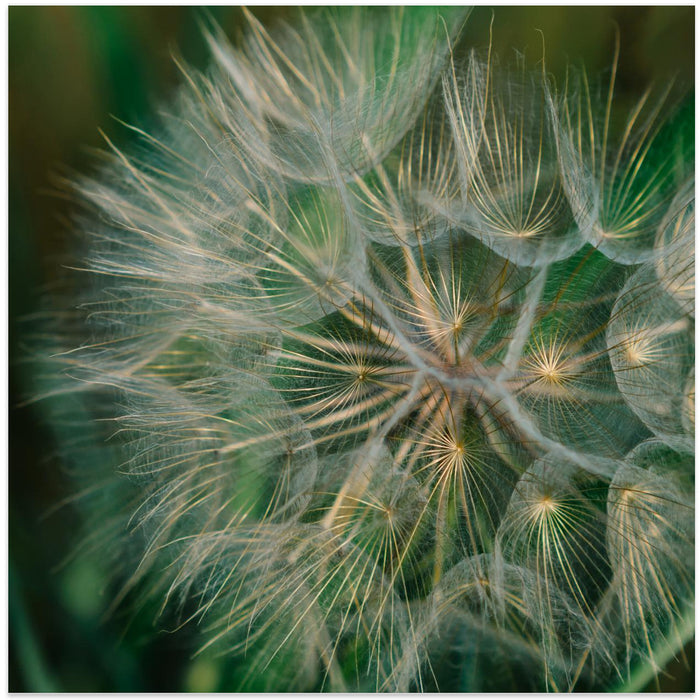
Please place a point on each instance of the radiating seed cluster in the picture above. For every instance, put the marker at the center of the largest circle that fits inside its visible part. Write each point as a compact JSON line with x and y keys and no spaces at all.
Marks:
{"x":396,"y":354}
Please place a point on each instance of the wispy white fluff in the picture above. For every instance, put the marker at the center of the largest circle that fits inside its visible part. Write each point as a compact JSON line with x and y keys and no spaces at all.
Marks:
{"x":375,"y":392}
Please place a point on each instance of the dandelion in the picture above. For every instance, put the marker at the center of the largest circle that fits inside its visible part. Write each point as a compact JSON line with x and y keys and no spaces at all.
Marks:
{"x":675,"y":249}
{"x":619,"y":185}
{"x":510,"y":191}
{"x":394,"y":406}
{"x":650,"y":553}
{"x":652,"y":353}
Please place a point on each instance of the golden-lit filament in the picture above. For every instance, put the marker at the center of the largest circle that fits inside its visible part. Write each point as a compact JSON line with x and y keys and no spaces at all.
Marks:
{"x":551,"y":368}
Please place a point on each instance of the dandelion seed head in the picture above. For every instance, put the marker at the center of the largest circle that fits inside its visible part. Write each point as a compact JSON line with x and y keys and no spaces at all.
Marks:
{"x":382,"y":335}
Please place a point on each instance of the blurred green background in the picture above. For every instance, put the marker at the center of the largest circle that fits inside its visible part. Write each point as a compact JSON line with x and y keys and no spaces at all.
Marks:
{"x":70,"y":69}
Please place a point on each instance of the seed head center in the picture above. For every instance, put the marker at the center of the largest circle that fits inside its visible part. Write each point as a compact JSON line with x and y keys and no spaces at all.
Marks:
{"x":547,"y":504}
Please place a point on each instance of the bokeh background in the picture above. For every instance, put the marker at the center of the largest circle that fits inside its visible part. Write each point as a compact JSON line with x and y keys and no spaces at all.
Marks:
{"x":71,"y":71}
